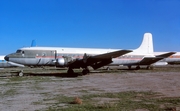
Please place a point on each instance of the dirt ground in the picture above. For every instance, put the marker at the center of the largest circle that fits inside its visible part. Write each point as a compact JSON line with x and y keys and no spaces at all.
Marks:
{"x":21,"y":93}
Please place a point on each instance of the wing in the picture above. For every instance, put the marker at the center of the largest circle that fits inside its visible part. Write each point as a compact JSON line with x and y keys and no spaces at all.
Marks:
{"x":97,"y":61}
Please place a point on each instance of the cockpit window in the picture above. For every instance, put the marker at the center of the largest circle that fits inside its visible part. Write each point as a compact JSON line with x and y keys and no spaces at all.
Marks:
{"x":20,"y":51}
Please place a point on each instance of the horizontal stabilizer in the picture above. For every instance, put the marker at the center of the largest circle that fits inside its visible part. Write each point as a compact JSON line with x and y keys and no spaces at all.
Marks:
{"x":165,"y":55}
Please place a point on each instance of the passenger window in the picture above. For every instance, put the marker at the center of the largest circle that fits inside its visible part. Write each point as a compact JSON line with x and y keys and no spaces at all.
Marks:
{"x":43,"y":54}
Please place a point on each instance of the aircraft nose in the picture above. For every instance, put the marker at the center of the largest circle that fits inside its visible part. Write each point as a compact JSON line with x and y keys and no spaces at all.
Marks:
{"x":6,"y":58}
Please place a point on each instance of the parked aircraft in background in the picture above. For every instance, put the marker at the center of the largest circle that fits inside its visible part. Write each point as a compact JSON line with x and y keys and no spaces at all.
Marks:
{"x":6,"y":64}
{"x":84,"y":57}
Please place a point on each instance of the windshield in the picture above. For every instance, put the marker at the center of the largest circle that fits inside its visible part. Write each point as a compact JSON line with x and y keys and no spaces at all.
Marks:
{"x":19,"y":51}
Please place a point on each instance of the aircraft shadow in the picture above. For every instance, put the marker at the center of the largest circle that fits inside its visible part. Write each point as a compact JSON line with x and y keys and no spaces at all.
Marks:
{"x":55,"y":74}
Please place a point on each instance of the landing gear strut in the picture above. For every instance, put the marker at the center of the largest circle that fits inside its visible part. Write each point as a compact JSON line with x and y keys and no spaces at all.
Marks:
{"x":129,"y":67}
{"x":150,"y":67}
{"x":21,"y":73}
{"x":138,"y":67}
{"x":70,"y":71}
{"x":107,"y":68}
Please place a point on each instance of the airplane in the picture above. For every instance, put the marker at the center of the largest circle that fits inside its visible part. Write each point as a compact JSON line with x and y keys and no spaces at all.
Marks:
{"x":83,"y":57}
{"x":7,"y":64}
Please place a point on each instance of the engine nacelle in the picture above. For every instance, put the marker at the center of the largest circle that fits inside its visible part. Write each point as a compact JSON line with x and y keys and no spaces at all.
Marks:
{"x":63,"y":62}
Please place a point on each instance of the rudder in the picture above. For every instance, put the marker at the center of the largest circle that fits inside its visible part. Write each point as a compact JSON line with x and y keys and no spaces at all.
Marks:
{"x":146,"y":45}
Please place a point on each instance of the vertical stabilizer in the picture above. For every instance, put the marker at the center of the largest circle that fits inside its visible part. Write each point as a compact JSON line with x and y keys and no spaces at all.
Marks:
{"x":146,"y":45}
{"x":33,"y":43}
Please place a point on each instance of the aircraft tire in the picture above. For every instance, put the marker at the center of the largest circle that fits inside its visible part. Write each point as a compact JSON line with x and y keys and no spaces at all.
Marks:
{"x":138,"y":67}
{"x":129,"y":67}
{"x":148,"y":67}
{"x":85,"y":71}
{"x":21,"y":74}
{"x":107,"y":68}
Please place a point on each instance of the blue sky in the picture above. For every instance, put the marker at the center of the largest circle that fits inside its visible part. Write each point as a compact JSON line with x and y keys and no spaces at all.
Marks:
{"x":89,"y":23}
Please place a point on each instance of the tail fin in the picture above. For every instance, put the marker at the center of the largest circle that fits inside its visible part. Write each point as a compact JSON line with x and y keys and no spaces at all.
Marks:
{"x":146,"y":45}
{"x":33,"y":43}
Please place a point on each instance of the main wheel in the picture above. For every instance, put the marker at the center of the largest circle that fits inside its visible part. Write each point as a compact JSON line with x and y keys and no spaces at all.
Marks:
{"x":107,"y":68}
{"x":138,"y":67}
{"x":21,"y":74}
{"x":85,"y":71}
{"x":129,"y":67}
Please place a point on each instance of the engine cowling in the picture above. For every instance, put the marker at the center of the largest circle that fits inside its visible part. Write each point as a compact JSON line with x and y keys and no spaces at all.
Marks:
{"x":63,"y":62}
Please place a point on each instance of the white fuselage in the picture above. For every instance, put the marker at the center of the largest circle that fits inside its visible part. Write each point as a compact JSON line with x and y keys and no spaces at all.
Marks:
{"x":46,"y":55}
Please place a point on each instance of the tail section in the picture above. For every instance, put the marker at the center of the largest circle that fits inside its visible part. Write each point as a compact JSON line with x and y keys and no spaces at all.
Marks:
{"x":146,"y":45}
{"x":33,"y":43}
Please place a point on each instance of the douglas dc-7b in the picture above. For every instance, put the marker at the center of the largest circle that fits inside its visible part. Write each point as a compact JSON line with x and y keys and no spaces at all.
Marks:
{"x":84,"y":57}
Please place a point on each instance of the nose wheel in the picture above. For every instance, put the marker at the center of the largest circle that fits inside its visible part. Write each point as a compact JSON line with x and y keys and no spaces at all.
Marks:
{"x":21,"y":73}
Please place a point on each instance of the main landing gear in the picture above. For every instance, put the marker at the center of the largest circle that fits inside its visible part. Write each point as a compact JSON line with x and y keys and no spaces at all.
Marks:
{"x":85,"y":71}
{"x":137,"y":67}
{"x":149,"y":67}
{"x":70,"y":71}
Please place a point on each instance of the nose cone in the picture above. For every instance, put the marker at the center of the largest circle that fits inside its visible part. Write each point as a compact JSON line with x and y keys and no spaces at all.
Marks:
{"x":6,"y":58}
